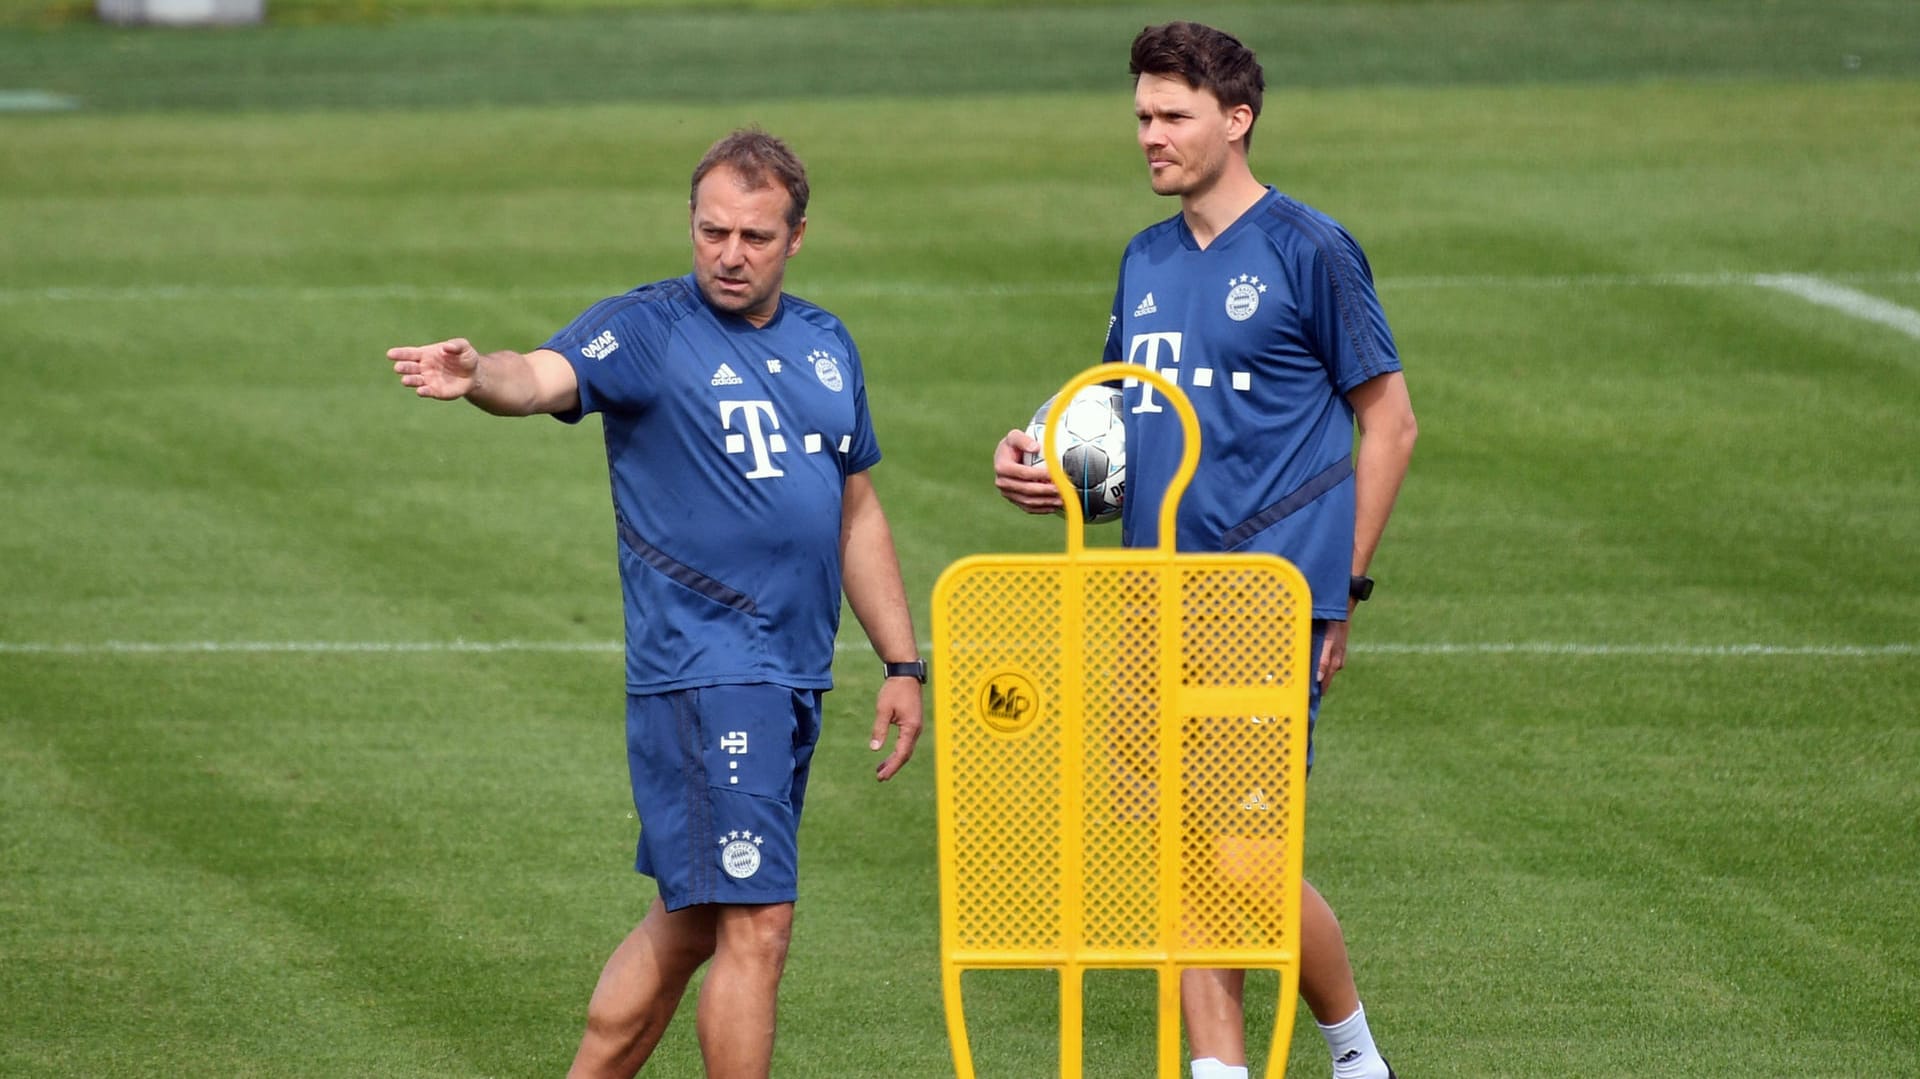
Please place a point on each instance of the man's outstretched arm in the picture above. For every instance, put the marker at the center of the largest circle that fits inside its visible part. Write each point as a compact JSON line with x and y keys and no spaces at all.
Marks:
{"x":504,"y":383}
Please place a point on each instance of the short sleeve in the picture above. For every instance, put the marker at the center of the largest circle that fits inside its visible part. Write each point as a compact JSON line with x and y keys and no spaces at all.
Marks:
{"x":614,"y":348}
{"x":863,"y":448}
{"x":1343,"y":319}
{"x":1111,"y":350}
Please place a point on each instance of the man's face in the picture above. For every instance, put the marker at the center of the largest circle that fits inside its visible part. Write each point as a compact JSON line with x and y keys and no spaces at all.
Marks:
{"x":1184,"y":132}
{"x":741,"y":244}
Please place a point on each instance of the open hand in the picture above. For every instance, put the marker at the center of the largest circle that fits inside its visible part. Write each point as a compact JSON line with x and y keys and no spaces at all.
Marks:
{"x":444,"y":370}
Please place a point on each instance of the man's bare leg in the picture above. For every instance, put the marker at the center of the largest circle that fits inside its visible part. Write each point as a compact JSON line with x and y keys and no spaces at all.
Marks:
{"x":1212,"y":1006}
{"x":738,"y":998}
{"x":1326,"y":976}
{"x":640,"y":988}
{"x":1212,"y":1002}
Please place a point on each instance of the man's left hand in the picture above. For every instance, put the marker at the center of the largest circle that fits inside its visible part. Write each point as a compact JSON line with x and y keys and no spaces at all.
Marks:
{"x":1333,"y":653}
{"x":898,"y":705}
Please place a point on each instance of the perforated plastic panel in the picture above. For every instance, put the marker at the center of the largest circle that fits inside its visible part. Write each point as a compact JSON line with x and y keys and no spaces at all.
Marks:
{"x":1121,"y":741}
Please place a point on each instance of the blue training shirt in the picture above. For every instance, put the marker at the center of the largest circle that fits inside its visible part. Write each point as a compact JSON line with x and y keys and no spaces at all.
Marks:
{"x":1265,"y":330}
{"x":729,"y":448}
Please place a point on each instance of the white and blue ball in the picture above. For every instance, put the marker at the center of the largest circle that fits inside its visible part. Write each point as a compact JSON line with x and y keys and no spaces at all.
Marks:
{"x":1092,"y":442}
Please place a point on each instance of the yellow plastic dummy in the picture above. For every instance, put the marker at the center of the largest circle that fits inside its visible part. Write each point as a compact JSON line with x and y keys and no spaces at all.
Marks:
{"x":1122,"y":761}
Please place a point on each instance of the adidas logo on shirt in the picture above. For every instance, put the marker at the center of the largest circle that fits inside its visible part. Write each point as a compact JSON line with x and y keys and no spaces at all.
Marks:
{"x":1146,"y":306}
{"x":724,"y":376}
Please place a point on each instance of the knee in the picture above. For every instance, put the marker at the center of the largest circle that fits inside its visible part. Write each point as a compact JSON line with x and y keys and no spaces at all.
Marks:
{"x":757,"y":935}
{"x":614,"y":1026}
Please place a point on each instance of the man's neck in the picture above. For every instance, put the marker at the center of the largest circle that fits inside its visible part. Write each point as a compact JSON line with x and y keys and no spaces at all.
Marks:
{"x":1211,"y":212}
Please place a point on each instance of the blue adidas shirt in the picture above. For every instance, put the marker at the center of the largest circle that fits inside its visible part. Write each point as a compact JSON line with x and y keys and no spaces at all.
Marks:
{"x":729,"y":448}
{"x":1265,"y":330}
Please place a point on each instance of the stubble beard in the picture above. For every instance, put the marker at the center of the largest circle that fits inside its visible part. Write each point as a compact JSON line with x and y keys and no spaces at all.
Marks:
{"x":1181,"y":179}
{"x":757,"y":300}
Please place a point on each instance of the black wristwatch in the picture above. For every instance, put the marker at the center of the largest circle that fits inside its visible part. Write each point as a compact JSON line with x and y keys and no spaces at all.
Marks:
{"x":1359,"y":587}
{"x":915,"y":669}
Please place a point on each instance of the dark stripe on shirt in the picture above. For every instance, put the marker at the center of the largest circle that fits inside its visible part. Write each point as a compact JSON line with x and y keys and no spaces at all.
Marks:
{"x":1326,"y":480}
{"x":683,"y":574}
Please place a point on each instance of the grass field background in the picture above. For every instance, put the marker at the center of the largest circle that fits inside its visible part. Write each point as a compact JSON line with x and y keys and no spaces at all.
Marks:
{"x":1623,"y":778}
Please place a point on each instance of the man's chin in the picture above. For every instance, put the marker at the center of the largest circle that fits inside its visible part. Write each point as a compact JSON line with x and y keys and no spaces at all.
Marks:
{"x":755,"y":309}
{"x":731,"y":302}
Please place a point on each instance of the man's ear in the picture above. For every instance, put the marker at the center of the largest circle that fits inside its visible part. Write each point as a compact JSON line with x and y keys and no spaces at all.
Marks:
{"x":1239,"y":122}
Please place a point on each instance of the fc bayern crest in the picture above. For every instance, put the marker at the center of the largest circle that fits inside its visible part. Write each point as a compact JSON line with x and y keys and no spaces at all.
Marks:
{"x":827,"y":369}
{"x":1243,"y":296}
{"x":740,"y":854}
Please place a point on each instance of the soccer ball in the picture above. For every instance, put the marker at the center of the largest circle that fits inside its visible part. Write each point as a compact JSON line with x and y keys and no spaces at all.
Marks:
{"x":1093,"y":449}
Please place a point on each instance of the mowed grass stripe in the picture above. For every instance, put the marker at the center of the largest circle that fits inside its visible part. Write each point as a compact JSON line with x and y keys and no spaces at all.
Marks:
{"x":198,"y":975}
{"x":827,"y":51}
{"x":271,"y":831}
{"x":1408,"y":648}
{"x":332,"y":294}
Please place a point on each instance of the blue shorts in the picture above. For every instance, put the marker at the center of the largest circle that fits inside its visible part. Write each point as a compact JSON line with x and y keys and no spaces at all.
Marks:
{"x":719,"y":776}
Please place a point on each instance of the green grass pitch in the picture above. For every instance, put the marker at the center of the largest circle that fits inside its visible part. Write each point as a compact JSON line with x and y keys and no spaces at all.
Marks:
{"x":1622,"y":780}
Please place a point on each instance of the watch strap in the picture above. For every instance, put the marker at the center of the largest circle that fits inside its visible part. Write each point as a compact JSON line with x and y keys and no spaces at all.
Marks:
{"x":915,"y":669}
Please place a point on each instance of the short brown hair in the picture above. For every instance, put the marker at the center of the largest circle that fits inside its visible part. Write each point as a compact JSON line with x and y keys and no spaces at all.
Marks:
{"x":758,"y":159}
{"x":1206,"y":59}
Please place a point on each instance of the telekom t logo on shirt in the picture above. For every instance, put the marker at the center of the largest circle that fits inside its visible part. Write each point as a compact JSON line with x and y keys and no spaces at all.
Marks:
{"x":758,"y":432}
{"x":1159,"y":353}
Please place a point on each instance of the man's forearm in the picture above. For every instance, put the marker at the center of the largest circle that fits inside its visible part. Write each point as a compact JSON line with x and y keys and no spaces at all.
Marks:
{"x":875,"y":590}
{"x":1379,"y":467}
{"x":504,"y":385}
{"x":1387,"y":433}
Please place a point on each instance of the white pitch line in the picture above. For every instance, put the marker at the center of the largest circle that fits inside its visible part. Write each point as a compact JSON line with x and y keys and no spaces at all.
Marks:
{"x":142,"y":648}
{"x":915,"y":289}
{"x":1430,"y":648}
{"x":1841,"y":298}
{"x":282,"y":293}
{"x":1555,"y":648}
{"x":482,"y":294}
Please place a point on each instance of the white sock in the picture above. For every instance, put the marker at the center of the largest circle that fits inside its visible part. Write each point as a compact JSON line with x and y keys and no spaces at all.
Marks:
{"x":1351,"y":1043}
{"x":1210,"y":1068}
